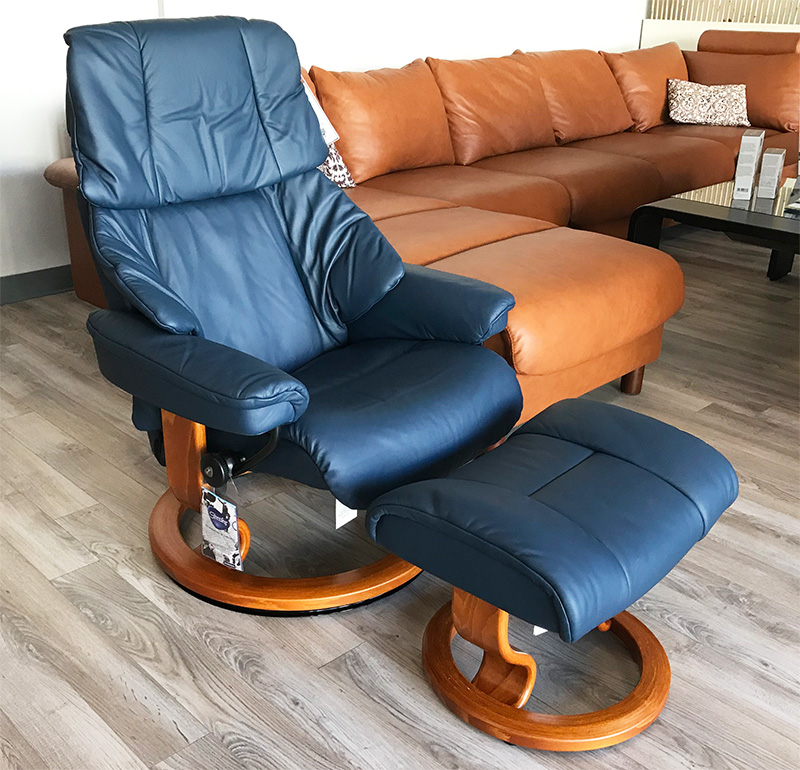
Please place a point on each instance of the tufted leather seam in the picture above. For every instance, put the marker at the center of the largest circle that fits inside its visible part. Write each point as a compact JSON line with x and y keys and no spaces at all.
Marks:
{"x":147,"y":112}
{"x":472,"y":536}
{"x":646,"y":470}
{"x":255,"y":100}
{"x":481,"y":245}
{"x":583,"y":529}
{"x":362,"y":373}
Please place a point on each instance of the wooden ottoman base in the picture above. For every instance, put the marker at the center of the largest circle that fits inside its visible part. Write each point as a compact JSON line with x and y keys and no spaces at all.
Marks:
{"x":493,"y":700}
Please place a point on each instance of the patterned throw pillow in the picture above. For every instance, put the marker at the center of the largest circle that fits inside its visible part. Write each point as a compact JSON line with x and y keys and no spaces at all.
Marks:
{"x":335,"y":169}
{"x":707,"y":105}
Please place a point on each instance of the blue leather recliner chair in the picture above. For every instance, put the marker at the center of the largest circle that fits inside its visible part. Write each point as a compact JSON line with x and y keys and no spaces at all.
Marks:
{"x":247,"y":293}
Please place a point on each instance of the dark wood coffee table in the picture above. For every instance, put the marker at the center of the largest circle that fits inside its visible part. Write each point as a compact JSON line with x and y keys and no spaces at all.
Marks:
{"x":762,"y":222}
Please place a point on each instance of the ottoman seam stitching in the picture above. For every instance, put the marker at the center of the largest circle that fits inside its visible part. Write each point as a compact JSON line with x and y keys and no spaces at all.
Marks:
{"x":629,"y":462}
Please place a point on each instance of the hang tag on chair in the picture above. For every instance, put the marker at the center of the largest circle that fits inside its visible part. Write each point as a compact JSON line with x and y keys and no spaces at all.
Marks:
{"x":221,"y":528}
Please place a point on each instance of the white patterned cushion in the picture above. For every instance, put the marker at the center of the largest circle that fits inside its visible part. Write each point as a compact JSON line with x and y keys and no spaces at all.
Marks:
{"x":707,"y":105}
{"x":335,"y":169}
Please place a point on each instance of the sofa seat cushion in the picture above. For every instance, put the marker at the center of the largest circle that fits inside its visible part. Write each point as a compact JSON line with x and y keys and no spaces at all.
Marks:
{"x":380,"y":204}
{"x":578,"y":295}
{"x":582,"y":94}
{"x":685,"y":163}
{"x":773,"y":85}
{"x":527,"y":196}
{"x":574,"y":518}
{"x":387,"y":119}
{"x":427,"y":236}
{"x":601,"y":186}
{"x":642,"y":77}
{"x":494,"y":106}
{"x":731,"y":137}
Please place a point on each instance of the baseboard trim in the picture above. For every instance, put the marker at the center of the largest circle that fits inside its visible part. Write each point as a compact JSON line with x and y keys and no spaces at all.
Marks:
{"x":37,"y":283}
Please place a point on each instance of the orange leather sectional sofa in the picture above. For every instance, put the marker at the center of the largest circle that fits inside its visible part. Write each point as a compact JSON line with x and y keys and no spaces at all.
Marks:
{"x":515,"y":171}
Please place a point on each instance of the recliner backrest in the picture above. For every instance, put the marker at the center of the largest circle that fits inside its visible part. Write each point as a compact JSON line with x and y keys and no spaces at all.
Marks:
{"x":197,"y":150}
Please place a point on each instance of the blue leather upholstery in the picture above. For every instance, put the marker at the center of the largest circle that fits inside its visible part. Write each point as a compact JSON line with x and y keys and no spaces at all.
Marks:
{"x":580,"y":513}
{"x":230,"y":261}
{"x":446,"y":307}
{"x":186,"y":109}
{"x":212,"y":384}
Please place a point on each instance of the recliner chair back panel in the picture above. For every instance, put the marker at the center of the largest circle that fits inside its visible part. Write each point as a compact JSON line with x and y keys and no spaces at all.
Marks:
{"x":209,"y":214}
{"x":174,"y":119}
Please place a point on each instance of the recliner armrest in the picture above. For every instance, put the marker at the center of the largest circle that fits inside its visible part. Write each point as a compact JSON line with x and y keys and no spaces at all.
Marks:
{"x":193,"y":377}
{"x":430,"y":304}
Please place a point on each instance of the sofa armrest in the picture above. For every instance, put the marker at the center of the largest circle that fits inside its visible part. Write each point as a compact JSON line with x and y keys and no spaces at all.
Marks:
{"x":430,"y":304}
{"x":197,"y":379}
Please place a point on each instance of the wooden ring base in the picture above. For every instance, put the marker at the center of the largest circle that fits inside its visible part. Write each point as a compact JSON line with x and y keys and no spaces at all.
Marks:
{"x":212,"y":581}
{"x":575,"y":732}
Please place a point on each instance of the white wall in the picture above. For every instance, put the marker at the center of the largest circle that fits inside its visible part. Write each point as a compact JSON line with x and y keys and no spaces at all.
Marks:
{"x":349,"y":34}
{"x":32,"y":130}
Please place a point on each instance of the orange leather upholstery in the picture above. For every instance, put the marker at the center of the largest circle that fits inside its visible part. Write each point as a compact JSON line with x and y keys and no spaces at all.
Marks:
{"x":601,"y":186}
{"x":684,"y":163}
{"x":494,"y":106}
{"x":513,"y":193}
{"x":742,"y":41}
{"x":579,"y":295}
{"x":387,"y":119}
{"x":379,"y":204}
{"x":642,"y":77}
{"x":730,"y":136}
{"x":62,"y":173}
{"x":582,"y":94}
{"x":773,"y":83}
{"x":428,"y":236}
{"x":541,"y":390}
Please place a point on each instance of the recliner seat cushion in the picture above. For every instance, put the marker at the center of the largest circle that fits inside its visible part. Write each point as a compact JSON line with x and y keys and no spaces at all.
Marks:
{"x":642,"y":77}
{"x":578,"y":515}
{"x":772,"y":82}
{"x":578,"y":295}
{"x":494,"y":106}
{"x":684,"y":163}
{"x":387,"y":119}
{"x":482,"y":188}
{"x":441,"y":403}
{"x":582,"y":94}
{"x":600,"y":186}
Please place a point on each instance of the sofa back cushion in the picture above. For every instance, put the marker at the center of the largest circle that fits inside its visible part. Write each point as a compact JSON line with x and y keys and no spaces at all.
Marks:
{"x":582,"y":94}
{"x":387,"y":119}
{"x":642,"y":77}
{"x":748,"y":41}
{"x":494,"y":106}
{"x":773,"y":85}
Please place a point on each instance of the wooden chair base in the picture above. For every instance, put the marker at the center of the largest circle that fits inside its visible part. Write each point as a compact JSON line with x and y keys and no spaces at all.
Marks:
{"x":492,"y":701}
{"x":212,"y":581}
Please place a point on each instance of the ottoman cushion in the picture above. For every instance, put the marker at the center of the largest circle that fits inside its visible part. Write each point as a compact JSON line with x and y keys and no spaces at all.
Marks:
{"x":581,"y":512}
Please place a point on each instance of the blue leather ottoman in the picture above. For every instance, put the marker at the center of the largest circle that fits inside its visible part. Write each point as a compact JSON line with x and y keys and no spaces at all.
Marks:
{"x":575,"y":517}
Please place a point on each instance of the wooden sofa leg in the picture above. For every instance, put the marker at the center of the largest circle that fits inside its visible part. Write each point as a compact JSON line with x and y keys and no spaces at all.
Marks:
{"x":631,"y":383}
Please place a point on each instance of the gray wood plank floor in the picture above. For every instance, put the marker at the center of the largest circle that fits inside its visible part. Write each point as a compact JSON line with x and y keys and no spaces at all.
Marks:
{"x":108,"y":664}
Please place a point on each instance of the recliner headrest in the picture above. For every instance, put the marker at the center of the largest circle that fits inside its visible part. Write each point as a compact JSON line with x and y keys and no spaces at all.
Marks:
{"x":175,"y":110}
